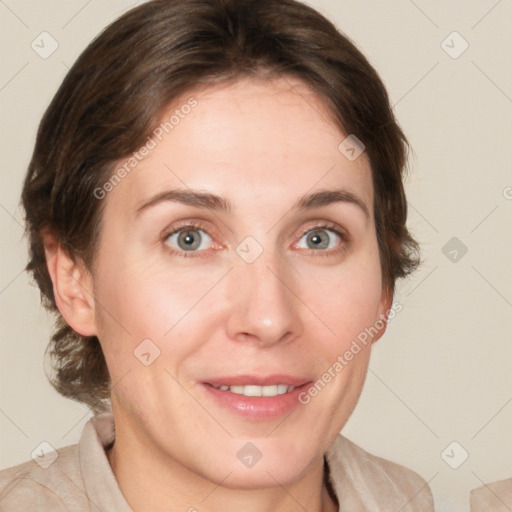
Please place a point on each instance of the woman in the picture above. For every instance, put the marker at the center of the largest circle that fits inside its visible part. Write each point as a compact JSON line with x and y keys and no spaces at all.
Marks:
{"x":217,"y":216}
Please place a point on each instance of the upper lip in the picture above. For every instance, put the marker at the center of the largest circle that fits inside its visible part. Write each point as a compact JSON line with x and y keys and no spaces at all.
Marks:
{"x":258,"y":380}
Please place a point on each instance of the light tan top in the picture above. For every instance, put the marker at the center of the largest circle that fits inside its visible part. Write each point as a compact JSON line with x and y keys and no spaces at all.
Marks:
{"x":80,"y":479}
{"x":496,"y":496}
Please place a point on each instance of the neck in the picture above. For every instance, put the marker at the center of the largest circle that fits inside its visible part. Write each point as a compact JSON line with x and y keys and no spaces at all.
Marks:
{"x":154,"y":482}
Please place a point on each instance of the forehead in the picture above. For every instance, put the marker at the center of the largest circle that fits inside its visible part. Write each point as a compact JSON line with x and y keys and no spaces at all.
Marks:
{"x":253,"y":141}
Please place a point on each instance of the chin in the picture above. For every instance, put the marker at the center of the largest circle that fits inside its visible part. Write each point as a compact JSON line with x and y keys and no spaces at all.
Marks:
{"x":285,"y":473}
{"x":262,"y":464}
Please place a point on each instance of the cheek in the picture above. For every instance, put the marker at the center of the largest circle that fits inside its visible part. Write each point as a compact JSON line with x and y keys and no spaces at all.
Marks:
{"x":345,"y":298}
{"x":145,"y":300}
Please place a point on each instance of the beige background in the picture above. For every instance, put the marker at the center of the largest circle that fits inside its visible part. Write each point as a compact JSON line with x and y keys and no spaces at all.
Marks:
{"x":442,"y":373}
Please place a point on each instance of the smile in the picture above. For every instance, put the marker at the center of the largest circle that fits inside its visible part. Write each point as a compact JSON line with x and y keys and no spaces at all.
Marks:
{"x":252,"y":390}
{"x":256,"y":397}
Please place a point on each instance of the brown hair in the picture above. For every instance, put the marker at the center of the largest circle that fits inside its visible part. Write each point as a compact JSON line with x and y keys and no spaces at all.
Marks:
{"x":114,"y":94}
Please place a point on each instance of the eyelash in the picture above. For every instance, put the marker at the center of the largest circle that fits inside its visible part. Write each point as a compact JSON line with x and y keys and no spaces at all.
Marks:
{"x":199,"y":226}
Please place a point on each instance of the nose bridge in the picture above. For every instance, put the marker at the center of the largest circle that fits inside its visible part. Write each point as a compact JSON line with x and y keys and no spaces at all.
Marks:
{"x":264,"y":308}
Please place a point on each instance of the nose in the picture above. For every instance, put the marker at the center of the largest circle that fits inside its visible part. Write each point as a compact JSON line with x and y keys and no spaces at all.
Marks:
{"x":265,"y":308}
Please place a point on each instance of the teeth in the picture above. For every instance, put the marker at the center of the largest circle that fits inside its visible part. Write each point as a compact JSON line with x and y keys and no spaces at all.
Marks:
{"x":251,"y":390}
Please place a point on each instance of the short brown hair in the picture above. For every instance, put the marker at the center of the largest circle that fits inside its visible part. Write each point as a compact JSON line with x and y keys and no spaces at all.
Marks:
{"x":114,"y":95}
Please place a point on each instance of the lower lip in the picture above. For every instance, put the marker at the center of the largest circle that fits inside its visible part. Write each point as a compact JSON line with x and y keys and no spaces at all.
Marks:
{"x":257,"y":407}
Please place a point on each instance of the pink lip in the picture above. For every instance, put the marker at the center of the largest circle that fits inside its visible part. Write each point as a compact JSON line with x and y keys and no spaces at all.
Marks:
{"x":257,"y":408}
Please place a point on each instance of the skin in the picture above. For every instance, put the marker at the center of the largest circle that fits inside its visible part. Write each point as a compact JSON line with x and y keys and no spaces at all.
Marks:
{"x":261,"y":145}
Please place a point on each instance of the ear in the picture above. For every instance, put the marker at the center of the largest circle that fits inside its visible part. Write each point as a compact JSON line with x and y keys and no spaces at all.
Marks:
{"x":386,"y":300}
{"x":72,"y":287}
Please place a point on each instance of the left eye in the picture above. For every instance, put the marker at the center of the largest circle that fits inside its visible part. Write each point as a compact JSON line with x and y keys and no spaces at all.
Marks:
{"x":189,"y":239}
{"x":320,"y":239}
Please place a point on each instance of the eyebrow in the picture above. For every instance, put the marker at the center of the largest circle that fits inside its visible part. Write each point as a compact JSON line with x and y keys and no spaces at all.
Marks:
{"x":219,"y":204}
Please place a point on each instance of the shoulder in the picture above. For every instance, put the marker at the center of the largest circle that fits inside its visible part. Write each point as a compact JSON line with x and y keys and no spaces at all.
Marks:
{"x":53,"y":483}
{"x":496,"y":496}
{"x":363,"y":481}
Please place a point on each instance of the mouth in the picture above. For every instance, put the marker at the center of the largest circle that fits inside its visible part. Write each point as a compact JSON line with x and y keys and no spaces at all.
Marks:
{"x":257,"y":397}
{"x":253,"y":390}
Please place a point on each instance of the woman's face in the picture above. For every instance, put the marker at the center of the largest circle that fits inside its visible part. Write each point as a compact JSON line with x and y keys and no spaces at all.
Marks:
{"x":223,"y":275}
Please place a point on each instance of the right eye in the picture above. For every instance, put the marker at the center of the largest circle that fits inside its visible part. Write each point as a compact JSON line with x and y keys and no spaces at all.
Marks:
{"x":188,"y":239}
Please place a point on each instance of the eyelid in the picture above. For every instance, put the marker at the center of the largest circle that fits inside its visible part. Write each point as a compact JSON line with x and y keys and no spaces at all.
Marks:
{"x":324,"y":224}
{"x":183,"y":224}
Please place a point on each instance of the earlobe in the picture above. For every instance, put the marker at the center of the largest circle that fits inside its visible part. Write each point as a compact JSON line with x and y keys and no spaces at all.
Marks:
{"x":72,"y":287}
{"x":384,"y":307}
